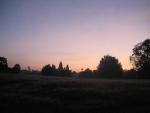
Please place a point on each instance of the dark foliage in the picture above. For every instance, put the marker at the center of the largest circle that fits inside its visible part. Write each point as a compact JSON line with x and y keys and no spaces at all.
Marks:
{"x":141,"y":57}
{"x":67,"y":68}
{"x":16,"y":68}
{"x":52,"y":70}
{"x":131,"y":74}
{"x":47,"y":70}
{"x":3,"y":64}
{"x":60,"y":68}
{"x":109,"y":67}
{"x":86,"y":73}
{"x":67,"y":71}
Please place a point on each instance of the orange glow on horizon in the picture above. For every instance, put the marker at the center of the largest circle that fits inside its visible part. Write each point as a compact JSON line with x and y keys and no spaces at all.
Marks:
{"x":75,"y":67}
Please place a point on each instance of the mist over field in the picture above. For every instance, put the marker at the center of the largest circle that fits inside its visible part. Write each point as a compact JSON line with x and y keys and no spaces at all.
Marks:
{"x":36,"y":94}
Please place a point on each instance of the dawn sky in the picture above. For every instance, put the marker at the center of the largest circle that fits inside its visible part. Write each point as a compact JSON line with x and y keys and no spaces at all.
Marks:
{"x":76,"y":32}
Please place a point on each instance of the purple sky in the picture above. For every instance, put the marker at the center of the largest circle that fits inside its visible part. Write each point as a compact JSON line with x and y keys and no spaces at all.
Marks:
{"x":77,"y":32}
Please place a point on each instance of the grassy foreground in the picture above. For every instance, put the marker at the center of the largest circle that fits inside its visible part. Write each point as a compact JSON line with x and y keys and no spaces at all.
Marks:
{"x":49,"y":94}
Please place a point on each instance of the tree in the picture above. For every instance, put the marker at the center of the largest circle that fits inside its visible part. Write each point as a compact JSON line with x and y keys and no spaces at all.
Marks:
{"x":141,"y":57}
{"x":86,"y":73}
{"x":109,"y":67}
{"x":54,"y":70}
{"x":3,"y":64}
{"x":67,"y":71}
{"x":67,"y":68}
{"x":60,"y":68}
{"x":16,"y":68}
{"x":47,"y":70}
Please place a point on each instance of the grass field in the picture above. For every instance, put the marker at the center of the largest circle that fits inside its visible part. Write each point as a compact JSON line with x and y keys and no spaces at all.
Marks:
{"x":49,"y":94}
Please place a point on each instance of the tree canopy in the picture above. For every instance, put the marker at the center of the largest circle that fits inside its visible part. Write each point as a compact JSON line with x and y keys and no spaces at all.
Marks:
{"x":141,"y":57}
{"x":47,"y":70}
{"x":109,"y":66}
{"x":52,"y":70}
{"x":16,"y":68}
{"x":3,"y":64}
{"x":86,"y":73}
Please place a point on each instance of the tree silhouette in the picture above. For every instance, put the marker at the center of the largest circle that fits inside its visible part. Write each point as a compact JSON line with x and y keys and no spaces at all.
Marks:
{"x":47,"y":70}
{"x":54,"y":70}
{"x":109,"y":67}
{"x":60,"y":68}
{"x":67,"y":68}
{"x":16,"y":68}
{"x":3,"y":64}
{"x":86,"y":73}
{"x":67,"y":71}
{"x":141,"y":57}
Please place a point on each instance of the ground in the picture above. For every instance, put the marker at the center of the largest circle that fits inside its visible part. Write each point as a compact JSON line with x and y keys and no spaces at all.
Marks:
{"x":20,"y":93}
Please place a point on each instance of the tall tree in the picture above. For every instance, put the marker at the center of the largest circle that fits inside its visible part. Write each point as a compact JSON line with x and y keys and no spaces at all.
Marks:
{"x":3,"y":64}
{"x":67,"y":71}
{"x":67,"y":68}
{"x":60,"y":67}
{"x":141,"y":57}
{"x":54,"y":70}
{"x":109,"y":66}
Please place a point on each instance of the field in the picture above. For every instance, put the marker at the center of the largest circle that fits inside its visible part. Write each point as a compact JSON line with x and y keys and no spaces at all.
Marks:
{"x":48,"y":94}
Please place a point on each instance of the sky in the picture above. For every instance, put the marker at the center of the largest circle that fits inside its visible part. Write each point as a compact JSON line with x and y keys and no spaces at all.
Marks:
{"x":77,"y":32}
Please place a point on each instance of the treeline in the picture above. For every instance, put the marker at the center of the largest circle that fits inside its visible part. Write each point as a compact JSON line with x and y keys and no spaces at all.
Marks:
{"x":46,"y":70}
{"x":108,"y":67}
{"x":4,"y":66}
{"x":52,"y":70}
